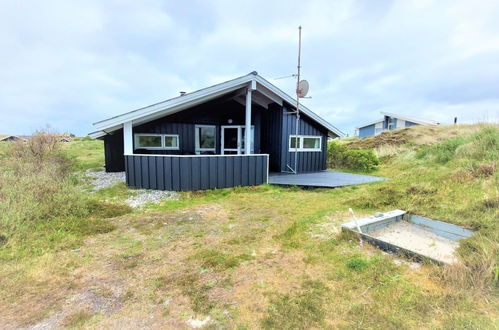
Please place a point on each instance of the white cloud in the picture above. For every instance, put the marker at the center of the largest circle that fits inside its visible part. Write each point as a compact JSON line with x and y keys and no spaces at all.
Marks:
{"x":69,"y":64}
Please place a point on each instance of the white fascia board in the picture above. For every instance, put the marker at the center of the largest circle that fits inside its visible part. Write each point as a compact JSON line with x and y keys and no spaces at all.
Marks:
{"x":171,"y":105}
{"x":411,"y":119}
{"x":97,"y":134}
{"x":374,"y":122}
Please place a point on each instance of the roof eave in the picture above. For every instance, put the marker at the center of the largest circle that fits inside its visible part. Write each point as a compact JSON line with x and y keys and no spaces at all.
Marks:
{"x":183,"y":102}
{"x":411,"y":119}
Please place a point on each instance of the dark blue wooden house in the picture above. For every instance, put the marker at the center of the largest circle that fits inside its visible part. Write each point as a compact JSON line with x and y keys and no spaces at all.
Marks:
{"x":199,"y":140}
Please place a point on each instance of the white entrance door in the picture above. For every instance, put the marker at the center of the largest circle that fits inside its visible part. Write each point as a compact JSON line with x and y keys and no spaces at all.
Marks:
{"x":233,"y":140}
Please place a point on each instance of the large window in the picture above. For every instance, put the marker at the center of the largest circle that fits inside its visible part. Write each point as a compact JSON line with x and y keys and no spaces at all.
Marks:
{"x":156,"y":141}
{"x":305,"y":143}
{"x":205,"y":139}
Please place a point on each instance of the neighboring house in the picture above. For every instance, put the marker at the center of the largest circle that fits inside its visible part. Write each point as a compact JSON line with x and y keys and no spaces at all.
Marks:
{"x":390,"y":121}
{"x":7,"y":138}
{"x":198,"y":140}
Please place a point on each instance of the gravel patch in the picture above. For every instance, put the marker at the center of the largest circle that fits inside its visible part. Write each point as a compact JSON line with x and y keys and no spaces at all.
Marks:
{"x":100,"y":180}
{"x":143,"y":197}
{"x":103,"y":179}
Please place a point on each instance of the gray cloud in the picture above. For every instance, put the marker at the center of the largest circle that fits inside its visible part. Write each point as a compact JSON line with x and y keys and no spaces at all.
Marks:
{"x":69,"y":64}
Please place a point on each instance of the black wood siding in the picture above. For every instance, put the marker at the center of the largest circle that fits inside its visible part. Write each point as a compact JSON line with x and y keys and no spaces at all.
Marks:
{"x":195,"y":173}
{"x":307,"y":161}
{"x":215,"y":113}
{"x":113,"y":152}
{"x":271,"y":135}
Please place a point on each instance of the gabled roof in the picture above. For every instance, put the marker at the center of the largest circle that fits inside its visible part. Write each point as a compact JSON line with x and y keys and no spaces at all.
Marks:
{"x":412,"y":119}
{"x":188,"y":100}
{"x":370,"y":123}
{"x":4,"y":137}
{"x":403,"y":117}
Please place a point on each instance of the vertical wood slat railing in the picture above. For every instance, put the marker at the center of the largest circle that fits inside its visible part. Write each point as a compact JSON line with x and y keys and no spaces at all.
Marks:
{"x":187,"y":173}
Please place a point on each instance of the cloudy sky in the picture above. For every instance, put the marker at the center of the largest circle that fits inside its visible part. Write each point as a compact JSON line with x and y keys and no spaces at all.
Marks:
{"x":68,"y":64}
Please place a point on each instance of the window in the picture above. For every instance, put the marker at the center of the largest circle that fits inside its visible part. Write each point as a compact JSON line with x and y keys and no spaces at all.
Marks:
{"x":171,"y":141}
{"x":305,"y":143}
{"x":205,"y":139}
{"x":156,"y":141}
{"x":311,"y":143}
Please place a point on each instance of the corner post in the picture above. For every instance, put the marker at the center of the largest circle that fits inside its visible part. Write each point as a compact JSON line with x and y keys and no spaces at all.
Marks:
{"x":247,"y":133}
{"x":128,"y":138}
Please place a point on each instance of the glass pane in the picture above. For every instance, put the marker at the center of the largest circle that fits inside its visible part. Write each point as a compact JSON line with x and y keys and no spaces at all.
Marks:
{"x":206,"y":137}
{"x":146,"y":141}
{"x":310,"y":143}
{"x":230,"y":138}
{"x":292,"y":143}
{"x":171,"y":142}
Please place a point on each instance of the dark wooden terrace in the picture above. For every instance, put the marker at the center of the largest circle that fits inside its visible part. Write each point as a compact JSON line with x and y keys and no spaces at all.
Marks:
{"x":324,"y":179}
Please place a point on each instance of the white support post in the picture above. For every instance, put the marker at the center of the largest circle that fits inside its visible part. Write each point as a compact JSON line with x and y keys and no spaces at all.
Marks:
{"x":128,"y":138}
{"x":247,"y":133}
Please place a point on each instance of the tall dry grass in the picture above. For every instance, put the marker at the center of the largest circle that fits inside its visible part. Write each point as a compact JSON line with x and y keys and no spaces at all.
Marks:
{"x":36,"y":185}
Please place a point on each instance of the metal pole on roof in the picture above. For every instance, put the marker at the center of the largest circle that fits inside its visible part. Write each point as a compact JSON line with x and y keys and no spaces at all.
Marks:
{"x":297,"y":101}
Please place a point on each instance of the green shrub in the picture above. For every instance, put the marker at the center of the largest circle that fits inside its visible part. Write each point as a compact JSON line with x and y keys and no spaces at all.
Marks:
{"x":340,"y":156}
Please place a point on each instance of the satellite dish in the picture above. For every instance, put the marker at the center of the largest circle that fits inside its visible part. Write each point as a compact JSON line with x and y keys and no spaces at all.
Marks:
{"x":302,"y":89}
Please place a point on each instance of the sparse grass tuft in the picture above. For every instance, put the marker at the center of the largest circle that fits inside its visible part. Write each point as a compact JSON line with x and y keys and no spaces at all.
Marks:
{"x":77,"y":319}
{"x":219,"y":260}
{"x":303,"y":310}
{"x":358,"y":263}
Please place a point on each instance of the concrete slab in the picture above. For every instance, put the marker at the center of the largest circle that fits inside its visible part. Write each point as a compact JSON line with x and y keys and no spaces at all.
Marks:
{"x":326,"y":179}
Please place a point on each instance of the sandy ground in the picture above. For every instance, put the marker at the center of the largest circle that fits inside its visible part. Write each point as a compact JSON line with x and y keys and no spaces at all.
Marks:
{"x":421,"y":241}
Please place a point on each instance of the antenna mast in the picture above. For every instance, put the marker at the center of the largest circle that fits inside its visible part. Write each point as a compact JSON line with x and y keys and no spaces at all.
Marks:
{"x":297,"y":101}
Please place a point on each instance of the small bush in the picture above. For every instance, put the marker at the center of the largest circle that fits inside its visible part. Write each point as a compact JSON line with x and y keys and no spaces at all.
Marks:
{"x":340,"y":156}
{"x":484,"y":170}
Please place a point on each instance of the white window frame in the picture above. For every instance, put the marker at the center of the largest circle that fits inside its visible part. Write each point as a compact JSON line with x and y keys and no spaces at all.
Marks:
{"x":177,"y":147}
{"x":163,"y":138}
{"x":240,"y":139}
{"x":300,"y":143}
{"x":197,"y":149}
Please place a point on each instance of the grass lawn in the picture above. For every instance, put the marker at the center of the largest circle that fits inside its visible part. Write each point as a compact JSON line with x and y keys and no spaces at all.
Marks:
{"x":260,"y":257}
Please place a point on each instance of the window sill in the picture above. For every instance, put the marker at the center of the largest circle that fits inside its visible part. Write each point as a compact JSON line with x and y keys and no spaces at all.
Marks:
{"x":155,"y":148}
{"x":305,"y":150}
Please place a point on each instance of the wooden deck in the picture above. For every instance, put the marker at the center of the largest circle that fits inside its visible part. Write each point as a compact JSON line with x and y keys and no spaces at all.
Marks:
{"x":325,"y":179}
